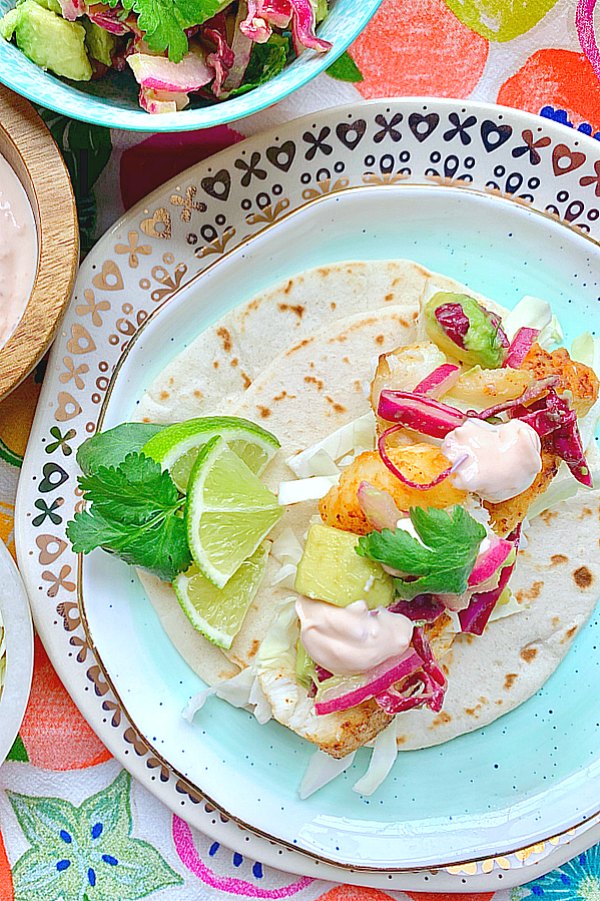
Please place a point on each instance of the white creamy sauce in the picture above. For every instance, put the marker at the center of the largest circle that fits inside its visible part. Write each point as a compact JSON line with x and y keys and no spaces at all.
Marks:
{"x":353,"y":639}
{"x":500,"y":461}
{"x":18,"y":250}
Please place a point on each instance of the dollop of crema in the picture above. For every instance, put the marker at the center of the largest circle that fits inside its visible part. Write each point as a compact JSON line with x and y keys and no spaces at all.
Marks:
{"x":353,"y":639}
{"x":18,"y":250}
{"x":499,"y":461}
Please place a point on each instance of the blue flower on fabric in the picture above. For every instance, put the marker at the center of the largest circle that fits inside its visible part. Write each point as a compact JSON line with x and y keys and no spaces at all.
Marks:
{"x":86,"y":853}
{"x":561,"y":115}
{"x":577,"y":880}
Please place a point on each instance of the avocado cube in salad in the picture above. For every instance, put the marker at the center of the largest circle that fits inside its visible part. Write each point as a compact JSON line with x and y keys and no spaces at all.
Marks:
{"x":331,"y":570}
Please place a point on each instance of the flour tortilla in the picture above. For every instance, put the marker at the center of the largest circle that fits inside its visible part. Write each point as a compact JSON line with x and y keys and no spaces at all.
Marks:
{"x":308,"y":346}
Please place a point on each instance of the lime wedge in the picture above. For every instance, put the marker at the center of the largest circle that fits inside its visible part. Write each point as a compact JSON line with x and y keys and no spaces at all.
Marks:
{"x":218,"y":613}
{"x":176,"y":447}
{"x":228,"y":511}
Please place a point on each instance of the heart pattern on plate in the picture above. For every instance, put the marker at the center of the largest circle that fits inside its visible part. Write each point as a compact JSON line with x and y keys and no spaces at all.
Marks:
{"x":158,"y":225}
{"x":217,"y":186}
{"x":80,"y":342}
{"x":109,"y":278}
{"x":493,"y":135}
{"x":282,"y":157}
{"x":565,"y":160}
{"x":351,"y":133}
{"x":423,"y":126}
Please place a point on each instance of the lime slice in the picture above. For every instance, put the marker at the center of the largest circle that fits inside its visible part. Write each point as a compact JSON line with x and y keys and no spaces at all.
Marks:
{"x":228,"y":511}
{"x":176,"y":447}
{"x":218,"y":613}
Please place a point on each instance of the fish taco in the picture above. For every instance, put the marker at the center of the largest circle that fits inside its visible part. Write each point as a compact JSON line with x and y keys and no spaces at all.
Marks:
{"x":379,"y":525}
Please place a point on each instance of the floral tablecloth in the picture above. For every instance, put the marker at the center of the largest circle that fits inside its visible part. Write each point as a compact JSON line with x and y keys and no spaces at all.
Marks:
{"x":73,"y":824}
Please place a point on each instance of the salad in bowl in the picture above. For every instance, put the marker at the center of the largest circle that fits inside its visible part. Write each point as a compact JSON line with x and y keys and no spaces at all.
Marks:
{"x":214,"y":49}
{"x":362,"y":506}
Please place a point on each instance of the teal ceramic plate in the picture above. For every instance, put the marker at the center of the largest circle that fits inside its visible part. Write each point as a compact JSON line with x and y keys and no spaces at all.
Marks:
{"x":398,"y":180}
{"x":113,"y":101}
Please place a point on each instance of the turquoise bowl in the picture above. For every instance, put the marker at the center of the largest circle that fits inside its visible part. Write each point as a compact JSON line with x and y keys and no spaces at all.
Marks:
{"x":113,"y":102}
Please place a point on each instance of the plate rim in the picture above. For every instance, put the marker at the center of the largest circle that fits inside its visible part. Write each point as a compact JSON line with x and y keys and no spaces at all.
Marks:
{"x":443,"y":103}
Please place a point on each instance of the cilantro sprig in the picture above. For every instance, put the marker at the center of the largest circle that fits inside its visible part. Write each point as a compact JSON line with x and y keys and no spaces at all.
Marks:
{"x":135,"y":513}
{"x":440,"y":562}
{"x":164,"y":21}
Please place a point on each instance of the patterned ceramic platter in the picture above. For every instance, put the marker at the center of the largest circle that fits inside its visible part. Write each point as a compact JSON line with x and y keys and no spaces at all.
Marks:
{"x":496,"y":198}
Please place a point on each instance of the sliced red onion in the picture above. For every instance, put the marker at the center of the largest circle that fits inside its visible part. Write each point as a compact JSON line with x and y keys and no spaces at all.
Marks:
{"x":556,"y":424}
{"x":475,"y":618}
{"x":222,"y":59}
{"x":497,"y":323}
{"x":427,"y":687}
{"x":520,"y":346}
{"x":355,"y":689}
{"x":439,"y":381}
{"x":454,"y":321}
{"x":529,"y":395}
{"x":110,"y":22}
{"x":378,"y":506}
{"x":399,"y":475}
{"x":303,"y":27}
{"x":490,"y":561}
{"x":422,"y":414}
{"x":423,"y":608}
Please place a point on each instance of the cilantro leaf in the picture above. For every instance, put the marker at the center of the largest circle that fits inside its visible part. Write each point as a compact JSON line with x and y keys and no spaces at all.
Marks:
{"x":266,"y":61}
{"x":111,"y":447}
{"x":164,"y":21}
{"x":131,"y":491}
{"x":135,"y":514}
{"x":441,"y":561}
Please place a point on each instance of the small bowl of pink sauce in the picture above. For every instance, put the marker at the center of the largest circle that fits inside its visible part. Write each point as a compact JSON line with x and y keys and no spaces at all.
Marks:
{"x":39,"y":239}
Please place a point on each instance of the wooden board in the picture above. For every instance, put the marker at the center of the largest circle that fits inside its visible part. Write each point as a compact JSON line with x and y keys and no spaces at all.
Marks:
{"x":29,"y":148}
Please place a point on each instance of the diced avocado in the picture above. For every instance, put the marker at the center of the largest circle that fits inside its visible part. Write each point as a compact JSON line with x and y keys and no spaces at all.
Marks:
{"x":101,"y":44}
{"x":51,"y":42}
{"x":462,"y":328}
{"x":53,"y":5}
{"x":331,"y":570}
{"x":305,"y":666}
{"x":8,"y":23}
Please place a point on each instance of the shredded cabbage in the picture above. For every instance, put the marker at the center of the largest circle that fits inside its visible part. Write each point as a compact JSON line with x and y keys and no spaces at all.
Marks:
{"x":286,"y":548}
{"x":321,"y":770}
{"x":299,"y":490}
{"x":353,"y":438}
{"x":533,"y":312}
{"x":242,"y":690}
{"x":383,"y":757}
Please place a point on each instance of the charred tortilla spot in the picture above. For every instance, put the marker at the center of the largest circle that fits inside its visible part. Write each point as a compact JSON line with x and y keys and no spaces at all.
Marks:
{"x":299,"y":346}
{"x":225,"y":337}
{"x":198,"y":394}
{"x":555,"y":621}
{"x":235,"y":362}
{"x":586,"y":512}
{"x":510,"y":680}
{"x":339,"y":408}
{"x":499,"y":702}
{"x":215,"y":364}
{"x":557,"y":559}
{"x":388,"y":297}
{"x":568,"y":634}
{"x":379,"y":339}
{"x":298,"y":309}
{"x":530,"y":594}
{"x":401,"y":740}
{"x":441,"y":719}
{"x":548,"y":515}
{"x":288,"y":287}
{"x":246,"y":379}
{"x":264,"y":412}
{"x":313,"y":380}
{"x":473,"y":711}
{"x":333,"y":305}
{"x":528,"y":654}
{"x":254,"y":648}
{"x":583,"y":577}
{"x":164,"y":395}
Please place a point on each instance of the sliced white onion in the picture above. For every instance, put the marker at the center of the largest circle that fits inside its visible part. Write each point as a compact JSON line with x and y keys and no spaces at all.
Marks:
{"x":299,"y":490}
{"x":321,"y":770}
